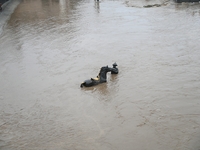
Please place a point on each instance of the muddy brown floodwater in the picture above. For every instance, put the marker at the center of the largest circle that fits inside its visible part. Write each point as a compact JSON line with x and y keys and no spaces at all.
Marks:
{"x":48,"y":47}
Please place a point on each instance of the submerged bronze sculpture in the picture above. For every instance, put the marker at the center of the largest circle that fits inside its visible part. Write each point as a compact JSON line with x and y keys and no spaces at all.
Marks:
{"x":102,"y":76}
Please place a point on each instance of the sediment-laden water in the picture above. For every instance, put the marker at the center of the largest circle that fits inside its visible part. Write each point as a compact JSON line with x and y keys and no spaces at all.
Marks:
{"x":48,"y":47}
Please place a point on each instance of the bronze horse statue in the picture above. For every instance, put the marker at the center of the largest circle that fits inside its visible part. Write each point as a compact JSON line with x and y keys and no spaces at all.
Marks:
{"x":102,"y":76}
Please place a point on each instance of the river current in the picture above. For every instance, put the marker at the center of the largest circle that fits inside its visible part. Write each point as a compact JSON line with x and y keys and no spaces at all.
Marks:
{"x":48,"y":47}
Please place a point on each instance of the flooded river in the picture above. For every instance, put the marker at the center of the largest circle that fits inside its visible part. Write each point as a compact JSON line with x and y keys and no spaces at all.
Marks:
{"x":48,"y":47}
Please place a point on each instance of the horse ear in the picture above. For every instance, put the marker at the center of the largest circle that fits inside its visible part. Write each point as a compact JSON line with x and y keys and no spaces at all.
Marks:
{"x":107,"y":66}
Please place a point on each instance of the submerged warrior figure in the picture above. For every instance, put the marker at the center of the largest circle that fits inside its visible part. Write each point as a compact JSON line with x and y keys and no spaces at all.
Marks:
{"x":102,"y":76}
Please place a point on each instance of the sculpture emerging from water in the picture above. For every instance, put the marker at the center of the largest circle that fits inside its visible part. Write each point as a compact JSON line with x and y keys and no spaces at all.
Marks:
{"x":102,"y":76}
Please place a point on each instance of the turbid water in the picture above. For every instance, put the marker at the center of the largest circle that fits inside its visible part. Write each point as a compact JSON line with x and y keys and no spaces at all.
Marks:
{"x":48,"y":47}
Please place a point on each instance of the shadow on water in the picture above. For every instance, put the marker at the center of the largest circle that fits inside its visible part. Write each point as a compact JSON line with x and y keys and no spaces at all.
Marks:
{"x":97,"y":6}
{"x":114,"y":78}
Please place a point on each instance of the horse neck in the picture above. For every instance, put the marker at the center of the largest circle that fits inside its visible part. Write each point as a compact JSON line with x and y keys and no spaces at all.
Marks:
{"x":103,"y":75}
